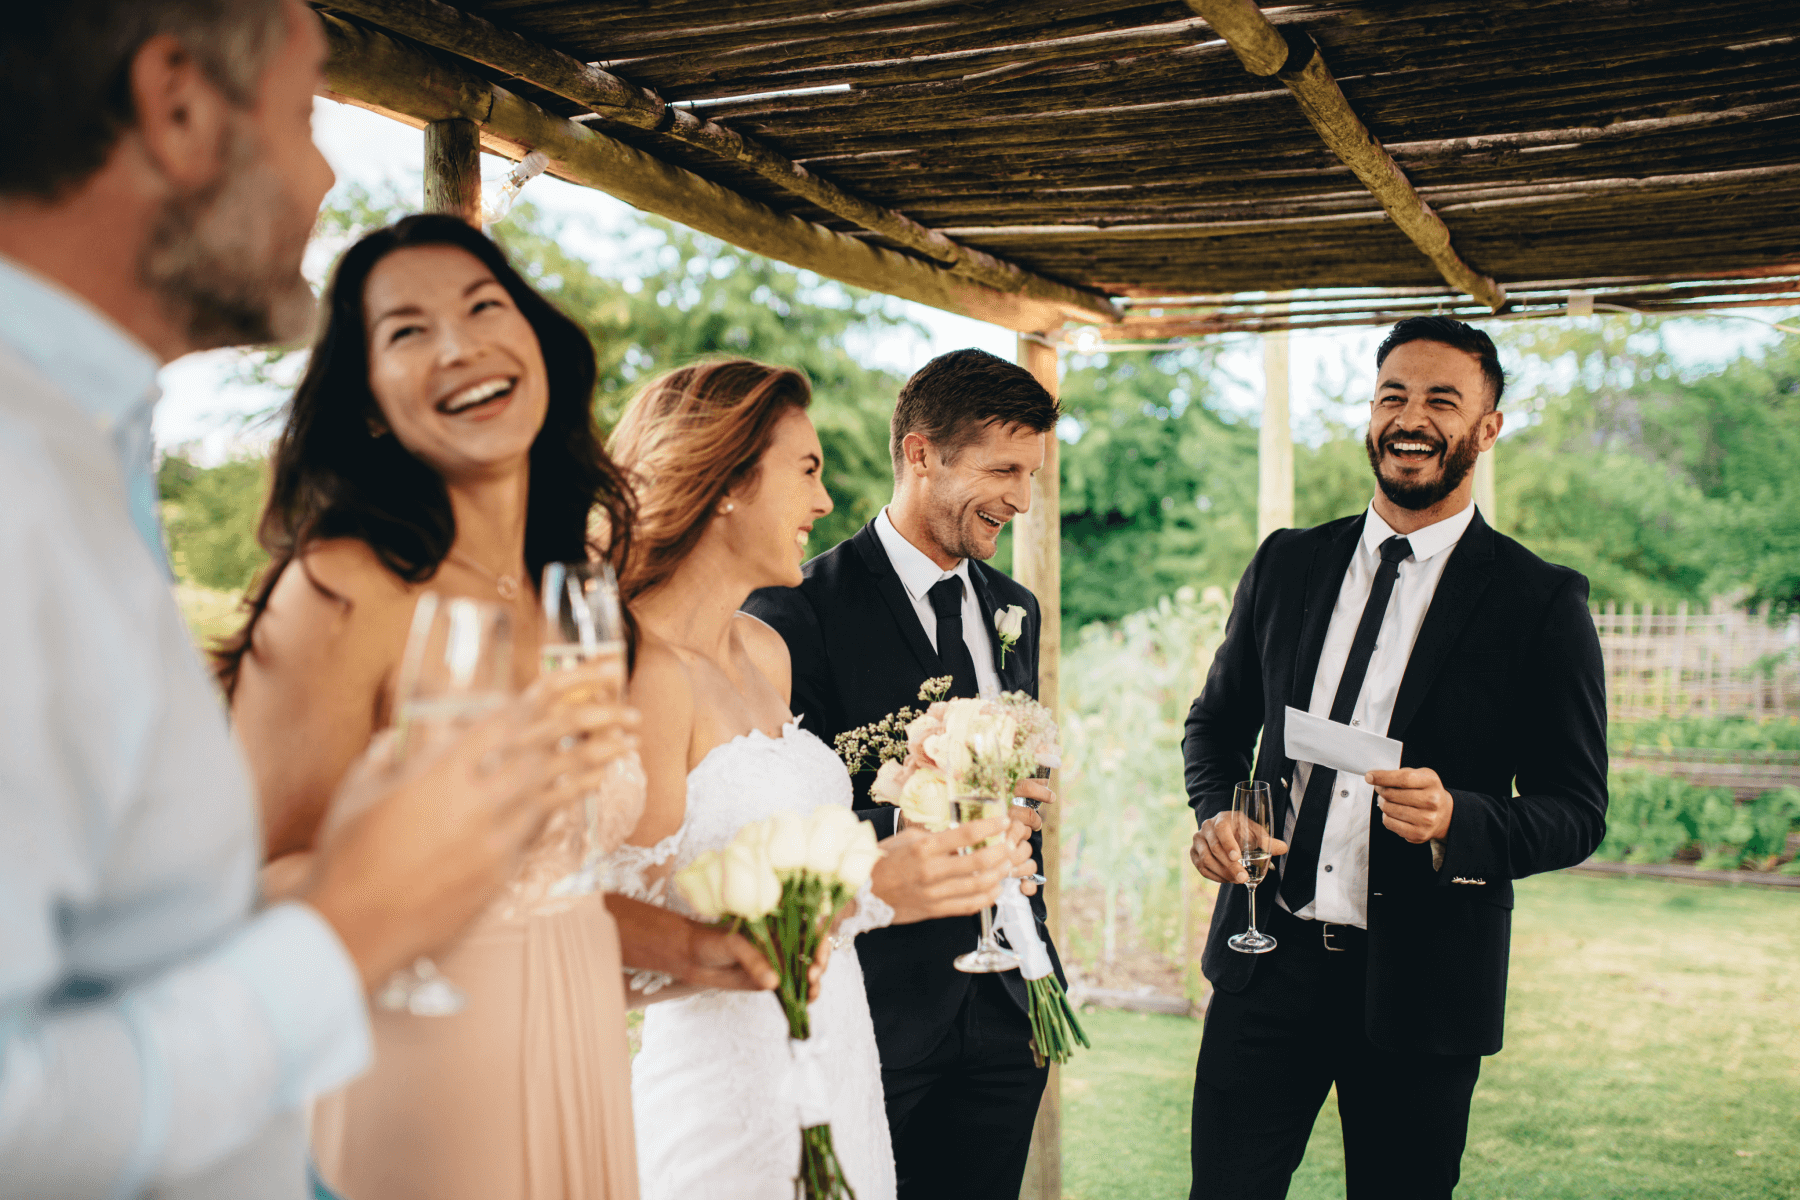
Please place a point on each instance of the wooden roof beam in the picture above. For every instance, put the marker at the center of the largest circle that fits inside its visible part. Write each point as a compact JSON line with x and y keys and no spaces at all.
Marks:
{"x":1293,"y":57}
{"x":451,"y":29}
{"x":404,"y":81}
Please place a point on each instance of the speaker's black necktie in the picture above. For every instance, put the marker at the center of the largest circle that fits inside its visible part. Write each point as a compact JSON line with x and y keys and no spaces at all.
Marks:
{"x":1300,"y":874}
{"x":954,"y":658}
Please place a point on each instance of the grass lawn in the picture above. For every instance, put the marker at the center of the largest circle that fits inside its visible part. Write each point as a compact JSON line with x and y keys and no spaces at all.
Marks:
{"x":1652,"y":1053}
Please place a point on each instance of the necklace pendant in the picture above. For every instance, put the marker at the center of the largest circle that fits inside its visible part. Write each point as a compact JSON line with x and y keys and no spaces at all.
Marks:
{"x":507,"y":586}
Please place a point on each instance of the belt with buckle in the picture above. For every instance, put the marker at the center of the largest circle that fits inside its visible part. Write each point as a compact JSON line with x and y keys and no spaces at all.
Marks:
{"x":1330,"y":932}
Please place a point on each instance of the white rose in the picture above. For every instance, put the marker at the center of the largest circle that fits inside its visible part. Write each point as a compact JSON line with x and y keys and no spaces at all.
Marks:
{"x":829,"y":833}
{"x":699,"y":884}
{"x":750,"y":887}
{"x":887,"y":781}
{"x":950,"y":753}
{"x":926,"y":799}
{"x":1009,"y":622}
{"x":859,"y":860}
{"x":961,"y":717}
{"x":786,"y":845}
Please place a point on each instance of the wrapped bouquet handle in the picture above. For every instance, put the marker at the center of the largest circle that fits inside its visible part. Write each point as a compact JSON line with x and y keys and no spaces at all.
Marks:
{"x":1055,"y":1030}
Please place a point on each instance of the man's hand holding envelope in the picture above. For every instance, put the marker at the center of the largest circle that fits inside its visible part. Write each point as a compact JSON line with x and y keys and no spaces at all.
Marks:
{"x":1413,"y":801}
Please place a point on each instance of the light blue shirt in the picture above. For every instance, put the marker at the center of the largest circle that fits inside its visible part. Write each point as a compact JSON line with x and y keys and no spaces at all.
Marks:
{"x":107,"y":373}
{"x":158,"y":1035}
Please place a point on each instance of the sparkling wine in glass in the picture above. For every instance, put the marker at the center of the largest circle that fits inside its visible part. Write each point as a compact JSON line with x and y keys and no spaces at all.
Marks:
{"x":1250,"y":816}
{"x":457,"y":667}
{"x":989,"y":956}
{"x":583,"y":620}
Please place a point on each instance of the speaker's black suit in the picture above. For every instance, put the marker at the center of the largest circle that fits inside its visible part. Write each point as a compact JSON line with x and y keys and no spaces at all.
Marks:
{"x":948,"y":1041}
{"x":1503,"y":696}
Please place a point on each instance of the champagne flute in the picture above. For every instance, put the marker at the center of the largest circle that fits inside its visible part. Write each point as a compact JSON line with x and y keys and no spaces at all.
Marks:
{"x":1250,"y":811}
{"x":988,"y":956}
{"x":457,"y":667}
{"x":583,"y":622}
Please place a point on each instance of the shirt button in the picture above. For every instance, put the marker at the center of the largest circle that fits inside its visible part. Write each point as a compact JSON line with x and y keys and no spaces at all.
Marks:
{"x":1356,"y":721}
{"x":1328,"y":868}
{"x":1345,"y":793}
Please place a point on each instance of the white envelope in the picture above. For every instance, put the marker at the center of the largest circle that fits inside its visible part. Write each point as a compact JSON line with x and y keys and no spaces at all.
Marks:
{"x":1318,"y":740}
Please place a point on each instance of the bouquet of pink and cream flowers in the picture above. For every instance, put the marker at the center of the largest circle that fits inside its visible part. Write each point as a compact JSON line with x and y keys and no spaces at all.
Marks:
{"x":780,"y":882}
{"x":967,"y":748}
{"x":985,"y":748}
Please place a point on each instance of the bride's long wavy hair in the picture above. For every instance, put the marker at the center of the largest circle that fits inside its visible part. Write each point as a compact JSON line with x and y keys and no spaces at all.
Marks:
{"x":686,"y":439}
{"x":332,"y":478}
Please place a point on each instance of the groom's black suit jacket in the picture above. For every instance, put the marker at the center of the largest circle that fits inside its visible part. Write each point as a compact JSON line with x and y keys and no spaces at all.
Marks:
{"x":860,"y":653}
{"x":1504,"y":689}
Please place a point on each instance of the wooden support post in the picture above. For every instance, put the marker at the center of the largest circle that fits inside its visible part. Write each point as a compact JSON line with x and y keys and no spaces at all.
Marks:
{"x":1037,"y":563}
{"x":453,"y":169}
{"x":1484,"y":486}
{"x":1275,"y":443}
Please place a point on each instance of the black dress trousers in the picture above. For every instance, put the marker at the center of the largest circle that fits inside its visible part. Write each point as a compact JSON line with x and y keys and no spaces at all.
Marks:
{"x":1270,"y":1054}
{"x":961,"y":1119}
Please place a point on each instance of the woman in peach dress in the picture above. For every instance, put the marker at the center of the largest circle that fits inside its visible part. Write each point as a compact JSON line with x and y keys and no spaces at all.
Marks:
{"x":443,"y":438}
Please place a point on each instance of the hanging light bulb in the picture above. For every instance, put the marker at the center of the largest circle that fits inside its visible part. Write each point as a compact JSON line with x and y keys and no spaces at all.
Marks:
{"x":497,"y":199}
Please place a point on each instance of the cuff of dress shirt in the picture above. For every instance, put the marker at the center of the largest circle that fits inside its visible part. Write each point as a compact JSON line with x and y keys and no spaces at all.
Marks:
{"x":299,"y":971}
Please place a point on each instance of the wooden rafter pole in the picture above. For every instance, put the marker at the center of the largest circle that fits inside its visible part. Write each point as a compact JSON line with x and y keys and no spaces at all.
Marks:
{"x":447,"y":28}
{"x":1294,"y":58}
{"x":453,"y":169}
{"x":405,"y":81}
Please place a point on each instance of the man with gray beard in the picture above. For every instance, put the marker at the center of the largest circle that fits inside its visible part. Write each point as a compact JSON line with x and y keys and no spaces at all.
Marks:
{"x":158,"y":1036}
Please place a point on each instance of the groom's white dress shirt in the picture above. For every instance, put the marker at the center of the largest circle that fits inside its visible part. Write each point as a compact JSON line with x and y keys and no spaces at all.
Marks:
{"x":917,"y":575}
{"x":1342,"y":896}
{"x":157,"y":1036}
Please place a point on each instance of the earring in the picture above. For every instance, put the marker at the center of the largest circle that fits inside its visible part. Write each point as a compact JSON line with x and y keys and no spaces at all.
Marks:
{"x":729,"y":505}
{"x":377,"y":430}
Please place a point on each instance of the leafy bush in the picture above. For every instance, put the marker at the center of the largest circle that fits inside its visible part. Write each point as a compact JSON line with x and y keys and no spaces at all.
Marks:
{"x":210,"y":514}
{"x":1654,"y":818}
{"x":1707,"y":733}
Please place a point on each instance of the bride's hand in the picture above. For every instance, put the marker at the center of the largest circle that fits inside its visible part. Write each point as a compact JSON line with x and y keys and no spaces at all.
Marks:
{"x":815,"y":975}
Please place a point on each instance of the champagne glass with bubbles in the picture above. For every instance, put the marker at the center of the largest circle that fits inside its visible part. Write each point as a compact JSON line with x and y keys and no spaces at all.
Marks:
{"x":583,"y":622}
{"x":988,"y":956}
{"x":1250,"y":813}
{"x":458,"y":666}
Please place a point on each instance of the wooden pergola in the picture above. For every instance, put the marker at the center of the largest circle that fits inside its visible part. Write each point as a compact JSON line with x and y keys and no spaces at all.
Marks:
{"x":1112,"y":173}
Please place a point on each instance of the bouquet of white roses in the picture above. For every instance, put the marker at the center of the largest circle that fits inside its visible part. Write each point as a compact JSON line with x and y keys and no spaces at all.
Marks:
{"x":780,"y":882}
{"x":985,"y":747}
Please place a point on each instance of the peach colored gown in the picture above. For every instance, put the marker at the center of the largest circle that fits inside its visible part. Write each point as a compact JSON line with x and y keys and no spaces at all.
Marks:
{"x":526,"y":1093}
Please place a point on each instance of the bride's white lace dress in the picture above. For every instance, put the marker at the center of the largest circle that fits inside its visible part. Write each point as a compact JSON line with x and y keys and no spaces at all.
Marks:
{"x":717,"y":1114}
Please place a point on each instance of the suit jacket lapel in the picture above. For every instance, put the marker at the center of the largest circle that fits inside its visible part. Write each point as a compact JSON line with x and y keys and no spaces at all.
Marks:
{"x":1012,"y":672}
{"x":1324,"y":579}
{"x":1466,"y":577}
{"x":893,"y":594}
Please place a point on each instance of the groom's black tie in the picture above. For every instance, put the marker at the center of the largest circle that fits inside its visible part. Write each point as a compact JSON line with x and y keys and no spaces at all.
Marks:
{"x":953,"y":653}
{"x":1300,"y":875}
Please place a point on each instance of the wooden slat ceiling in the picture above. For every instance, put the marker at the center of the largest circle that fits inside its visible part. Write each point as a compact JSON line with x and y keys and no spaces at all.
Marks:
{"x":1125,"y":148}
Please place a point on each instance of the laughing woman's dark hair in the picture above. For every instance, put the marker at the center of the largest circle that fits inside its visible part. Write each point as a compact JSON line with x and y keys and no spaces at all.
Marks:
{"x":333,"y":477}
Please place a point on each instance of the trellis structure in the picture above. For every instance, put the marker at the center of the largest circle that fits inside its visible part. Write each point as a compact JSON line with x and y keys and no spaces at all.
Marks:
{"x":1127,"y":172}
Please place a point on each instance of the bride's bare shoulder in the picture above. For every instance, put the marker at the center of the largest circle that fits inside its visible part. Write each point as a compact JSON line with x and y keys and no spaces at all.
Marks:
{"x":662,"y":688}
{"x":767,"y":649}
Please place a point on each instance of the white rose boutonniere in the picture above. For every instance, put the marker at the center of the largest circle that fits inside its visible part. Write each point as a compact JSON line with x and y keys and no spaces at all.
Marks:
{"x":1009,"y":623}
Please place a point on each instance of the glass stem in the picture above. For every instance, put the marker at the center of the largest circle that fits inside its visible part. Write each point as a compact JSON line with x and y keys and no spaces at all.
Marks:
{"x":1253,"y":908}
{"x":987,"y":927}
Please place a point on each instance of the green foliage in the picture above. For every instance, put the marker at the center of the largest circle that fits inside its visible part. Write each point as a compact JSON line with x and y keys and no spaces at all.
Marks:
{"x":1707,"y":733}
{"x":1158,"y":492}
{"x":1125,"y":694}
{"x":210,"y":516}
{"x":1653,"y":818}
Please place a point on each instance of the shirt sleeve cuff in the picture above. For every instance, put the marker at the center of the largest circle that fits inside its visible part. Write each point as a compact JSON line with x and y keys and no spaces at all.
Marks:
{"x":300,"y":973}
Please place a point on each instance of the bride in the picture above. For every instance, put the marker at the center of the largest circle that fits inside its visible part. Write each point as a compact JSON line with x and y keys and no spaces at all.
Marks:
{"x":728,"y":471}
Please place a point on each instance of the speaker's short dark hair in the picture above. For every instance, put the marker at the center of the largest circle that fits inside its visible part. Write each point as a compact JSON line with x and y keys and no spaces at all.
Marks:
{"x":1452,"y":333}
{"x":952,"y":398}
{"x":65,"y":75}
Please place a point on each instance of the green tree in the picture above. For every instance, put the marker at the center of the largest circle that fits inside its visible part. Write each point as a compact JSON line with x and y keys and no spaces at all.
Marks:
{"x":209,"y":516}
{"x":1158,"y":487}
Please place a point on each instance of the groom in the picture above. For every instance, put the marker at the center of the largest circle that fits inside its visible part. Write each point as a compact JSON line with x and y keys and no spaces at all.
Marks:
{"x":909,"y":598}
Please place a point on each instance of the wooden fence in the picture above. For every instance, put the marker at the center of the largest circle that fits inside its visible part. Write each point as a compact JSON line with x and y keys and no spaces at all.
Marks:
{"x":1720,"y":663}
